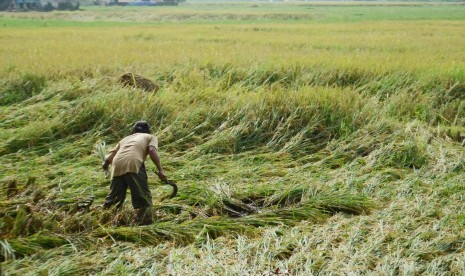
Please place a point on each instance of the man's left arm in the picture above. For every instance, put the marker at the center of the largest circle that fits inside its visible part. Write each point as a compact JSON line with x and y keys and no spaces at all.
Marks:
{"x":156,"y":160}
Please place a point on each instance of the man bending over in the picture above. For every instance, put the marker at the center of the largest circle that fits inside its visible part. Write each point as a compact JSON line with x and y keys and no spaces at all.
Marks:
{"x":128,"y":170}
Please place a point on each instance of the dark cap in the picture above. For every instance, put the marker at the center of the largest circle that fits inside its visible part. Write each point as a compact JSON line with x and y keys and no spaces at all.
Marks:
{"x":141,"y":127}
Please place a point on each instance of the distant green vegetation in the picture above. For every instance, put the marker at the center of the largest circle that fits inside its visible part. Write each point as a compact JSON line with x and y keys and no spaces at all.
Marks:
{"x":318,"y":12}
{"x":304,"y":138}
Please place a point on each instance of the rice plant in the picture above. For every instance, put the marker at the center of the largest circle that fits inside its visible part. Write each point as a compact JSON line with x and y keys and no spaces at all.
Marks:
{"x":101,"y":151}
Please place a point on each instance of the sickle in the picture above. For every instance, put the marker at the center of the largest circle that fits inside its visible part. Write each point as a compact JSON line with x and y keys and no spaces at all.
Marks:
{"x":172,"y":184}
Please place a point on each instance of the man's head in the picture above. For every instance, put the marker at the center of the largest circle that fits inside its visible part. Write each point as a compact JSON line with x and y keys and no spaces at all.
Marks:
{"x":141,"y":127}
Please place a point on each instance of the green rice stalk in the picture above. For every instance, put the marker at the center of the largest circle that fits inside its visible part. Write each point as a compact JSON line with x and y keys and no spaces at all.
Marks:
{"x":100,"y":150}
{"x":33,"y":244}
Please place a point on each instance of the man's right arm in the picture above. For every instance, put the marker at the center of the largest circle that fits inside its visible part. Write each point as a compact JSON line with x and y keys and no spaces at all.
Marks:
{"x":109,"y":158}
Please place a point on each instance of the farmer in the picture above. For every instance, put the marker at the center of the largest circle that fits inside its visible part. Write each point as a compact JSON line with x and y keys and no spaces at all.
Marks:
{"x":128,"y":170}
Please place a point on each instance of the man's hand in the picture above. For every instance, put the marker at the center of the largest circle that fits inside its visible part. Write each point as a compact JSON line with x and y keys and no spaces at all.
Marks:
{"x":105,"y":165}
{"x":109,"y":159}
{"x":162,"y":176}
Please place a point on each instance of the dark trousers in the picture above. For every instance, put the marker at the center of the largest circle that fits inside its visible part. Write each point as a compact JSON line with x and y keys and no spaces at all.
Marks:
{"x":137,"y":183}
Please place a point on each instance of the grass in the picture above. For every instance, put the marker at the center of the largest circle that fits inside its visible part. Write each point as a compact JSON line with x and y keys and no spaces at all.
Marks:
{"x":305,"y":145}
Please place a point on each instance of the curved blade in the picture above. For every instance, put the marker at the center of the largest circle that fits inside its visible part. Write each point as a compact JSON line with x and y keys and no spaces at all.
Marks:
{"x":172,"y":184}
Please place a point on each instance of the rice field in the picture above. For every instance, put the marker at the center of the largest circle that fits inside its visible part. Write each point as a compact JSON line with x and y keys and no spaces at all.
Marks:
{"x":305,"y":139}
